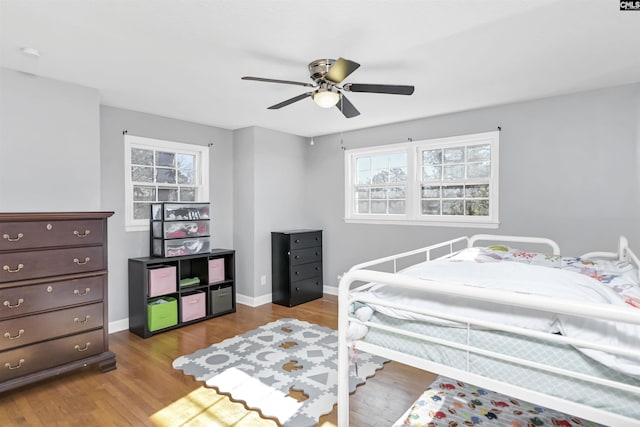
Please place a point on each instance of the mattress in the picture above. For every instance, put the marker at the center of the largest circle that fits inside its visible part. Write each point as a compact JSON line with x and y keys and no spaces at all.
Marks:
{"x":549,"y":354}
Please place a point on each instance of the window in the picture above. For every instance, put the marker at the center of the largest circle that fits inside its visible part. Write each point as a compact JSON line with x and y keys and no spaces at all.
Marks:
{"x":446,"y":181}
{"x":381,"y":183}
{"x":162,"y":171}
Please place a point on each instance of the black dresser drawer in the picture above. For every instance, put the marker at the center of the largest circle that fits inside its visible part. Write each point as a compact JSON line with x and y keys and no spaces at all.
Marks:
{"x":306,"y":290}
{"x":306,"y":271}
{"x":304,"y":256}
{"x":306,"y":240}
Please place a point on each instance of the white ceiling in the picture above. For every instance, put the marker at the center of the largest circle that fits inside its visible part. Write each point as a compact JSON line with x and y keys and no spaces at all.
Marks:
{"x":184,"y":58}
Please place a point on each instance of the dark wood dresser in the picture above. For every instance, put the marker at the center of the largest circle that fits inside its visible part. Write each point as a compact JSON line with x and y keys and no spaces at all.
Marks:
{"x":296,"y":266}
{"x":53,"y":295}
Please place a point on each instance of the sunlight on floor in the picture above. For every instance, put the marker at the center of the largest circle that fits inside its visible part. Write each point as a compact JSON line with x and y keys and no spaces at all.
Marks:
{"x":205,"y":407}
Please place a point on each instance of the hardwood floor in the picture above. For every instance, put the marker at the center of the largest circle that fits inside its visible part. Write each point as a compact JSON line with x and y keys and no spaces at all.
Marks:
{"x":145,"y":390}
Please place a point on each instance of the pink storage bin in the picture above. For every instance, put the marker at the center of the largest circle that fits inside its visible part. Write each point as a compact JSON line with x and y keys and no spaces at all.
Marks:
{"x":216,"y":270}
{"x":193,"y":306}
{"x":162,"y":281}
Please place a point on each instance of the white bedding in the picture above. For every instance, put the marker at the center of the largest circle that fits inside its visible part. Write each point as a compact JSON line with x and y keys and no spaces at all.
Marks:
{"x":525,"y":277}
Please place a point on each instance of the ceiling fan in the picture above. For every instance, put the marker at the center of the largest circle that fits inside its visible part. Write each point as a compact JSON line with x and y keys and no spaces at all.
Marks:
{"x":327,"y":74}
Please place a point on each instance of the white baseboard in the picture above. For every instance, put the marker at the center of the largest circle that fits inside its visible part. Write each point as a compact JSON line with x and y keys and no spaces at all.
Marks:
{"x":251,"y":301}
{"x":331,"y":290}
{"x":118,"y":325}
{"x":123,"y":324}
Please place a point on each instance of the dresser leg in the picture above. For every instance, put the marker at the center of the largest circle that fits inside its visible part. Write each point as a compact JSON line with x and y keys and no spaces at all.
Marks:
{"x":108,"y":364}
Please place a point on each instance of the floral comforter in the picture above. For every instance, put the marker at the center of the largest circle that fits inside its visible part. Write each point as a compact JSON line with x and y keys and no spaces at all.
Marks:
{"x":453,"y":403}
{"x":619,"y":276}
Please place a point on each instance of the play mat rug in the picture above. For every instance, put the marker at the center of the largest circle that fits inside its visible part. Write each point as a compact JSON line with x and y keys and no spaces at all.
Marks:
{"x":286,"y":369}
{"x":452,"y":403}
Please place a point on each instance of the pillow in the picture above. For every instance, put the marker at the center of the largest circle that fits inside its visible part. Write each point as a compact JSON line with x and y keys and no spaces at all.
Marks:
{"x":624,"y":269}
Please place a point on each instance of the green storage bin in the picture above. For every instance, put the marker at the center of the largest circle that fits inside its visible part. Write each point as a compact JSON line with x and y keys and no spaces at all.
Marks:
{"x":162,"y":315}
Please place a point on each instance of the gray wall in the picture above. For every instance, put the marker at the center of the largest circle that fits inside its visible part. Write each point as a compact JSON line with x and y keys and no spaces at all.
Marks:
{"x":124,"y":245}
{"x":270,"y":169}
{"x":568,"y":170}
{"x":243,"y":201}
{"x":49,"y":145}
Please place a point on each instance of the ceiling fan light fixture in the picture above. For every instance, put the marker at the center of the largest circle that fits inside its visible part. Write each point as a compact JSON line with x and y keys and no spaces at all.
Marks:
{"x":326,"y":97}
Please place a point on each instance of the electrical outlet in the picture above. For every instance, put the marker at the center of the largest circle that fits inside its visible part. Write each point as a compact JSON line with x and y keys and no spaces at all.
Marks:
{"x":263,"y":280}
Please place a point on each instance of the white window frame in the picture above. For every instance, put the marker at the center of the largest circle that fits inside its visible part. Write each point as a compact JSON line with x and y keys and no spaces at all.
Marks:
{"x":413,"y":215}
{"x":201,"y":154}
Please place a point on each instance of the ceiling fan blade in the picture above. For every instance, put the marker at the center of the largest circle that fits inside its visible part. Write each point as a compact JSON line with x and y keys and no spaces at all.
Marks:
{"x":286,"y":82}
{"x":290,"y":101}
{"x":340,"y":70}
{"x":347,"y":107}
{"x":390,"y":89}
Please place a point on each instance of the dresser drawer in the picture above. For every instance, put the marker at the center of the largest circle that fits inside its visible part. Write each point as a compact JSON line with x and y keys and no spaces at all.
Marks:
{"x":306,"y":271}
{"x":21,"y":300}
{"x":53,"y":262}
{"x":31,"y":358}
{"x":303,"y":256}
{"x":45,"y":234}
{"x":306,"y":290}
{"x":29,"y":329}
{"x":306,"y":240}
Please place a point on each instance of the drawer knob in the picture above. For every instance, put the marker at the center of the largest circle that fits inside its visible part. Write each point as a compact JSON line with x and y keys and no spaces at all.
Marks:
{"x":19,"y":365}
{"x":77,"y":261}
{"x":85,"y":348}
{"x":14,"y":337}
{"x":296,"y":257}
{"x":80,"y":234}
{"x":8,"y":304}
{"x":297,"y":240}
{"x":15,"y":270}
{"x":86,"y":291}
{"x":78,"y":320}
{"x":8,"y":238}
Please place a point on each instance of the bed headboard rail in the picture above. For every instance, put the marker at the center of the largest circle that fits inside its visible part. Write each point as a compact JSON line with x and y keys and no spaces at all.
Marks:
{"x":515,"y":239}
{"x":624,"y":253}
{"x":450,"y":247}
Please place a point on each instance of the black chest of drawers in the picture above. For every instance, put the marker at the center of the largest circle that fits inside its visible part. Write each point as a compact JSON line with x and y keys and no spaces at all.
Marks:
{"x":296,"y":266}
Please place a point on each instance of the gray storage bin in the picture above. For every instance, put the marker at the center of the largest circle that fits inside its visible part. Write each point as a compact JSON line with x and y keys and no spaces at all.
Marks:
{"x":221,"y":300}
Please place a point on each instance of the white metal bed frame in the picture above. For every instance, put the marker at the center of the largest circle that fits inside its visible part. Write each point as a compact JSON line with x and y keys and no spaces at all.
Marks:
{"x":363,"y":273}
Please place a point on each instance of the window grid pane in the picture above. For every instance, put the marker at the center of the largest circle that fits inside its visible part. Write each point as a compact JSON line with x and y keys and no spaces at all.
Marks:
{"x":388,"y":200}
{"x":167,"y":177}
{"x":467,"y":166}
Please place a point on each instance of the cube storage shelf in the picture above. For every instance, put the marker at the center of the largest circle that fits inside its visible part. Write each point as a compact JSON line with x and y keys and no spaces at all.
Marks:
{"x":167,"y":293}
